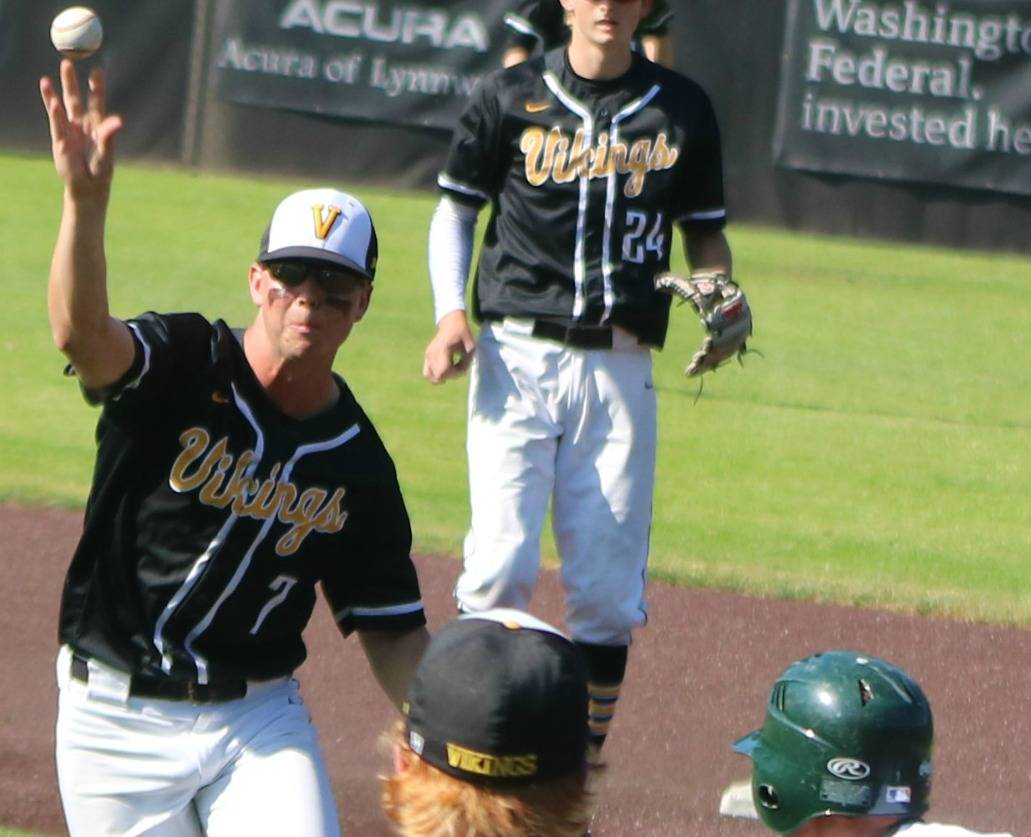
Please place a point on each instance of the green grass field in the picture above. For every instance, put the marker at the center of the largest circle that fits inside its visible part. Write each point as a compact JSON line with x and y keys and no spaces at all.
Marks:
{"x":879,"y":453}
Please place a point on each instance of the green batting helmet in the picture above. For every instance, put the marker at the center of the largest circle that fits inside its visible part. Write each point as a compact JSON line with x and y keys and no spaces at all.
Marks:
{"x":844,"y":734}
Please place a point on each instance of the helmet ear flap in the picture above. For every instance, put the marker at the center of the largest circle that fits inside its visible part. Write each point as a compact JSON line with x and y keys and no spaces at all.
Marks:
{"x":783,"y":790}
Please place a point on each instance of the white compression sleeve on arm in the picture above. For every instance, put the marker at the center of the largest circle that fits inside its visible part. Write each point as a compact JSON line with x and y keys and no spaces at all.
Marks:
{"x":450,"y":252}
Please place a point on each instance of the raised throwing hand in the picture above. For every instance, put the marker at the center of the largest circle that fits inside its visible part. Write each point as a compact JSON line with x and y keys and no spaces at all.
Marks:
{"x":82,"y":134}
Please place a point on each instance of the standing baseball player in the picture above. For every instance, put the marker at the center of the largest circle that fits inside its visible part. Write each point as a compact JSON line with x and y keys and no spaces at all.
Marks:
{"x":588,"y":156}
{"x":536,"y":26}
{"x":234,"y":472}
{"x":845,"y":751}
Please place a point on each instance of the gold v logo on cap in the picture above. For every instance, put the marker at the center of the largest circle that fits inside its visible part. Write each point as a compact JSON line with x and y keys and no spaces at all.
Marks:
{"x":324,"y":225}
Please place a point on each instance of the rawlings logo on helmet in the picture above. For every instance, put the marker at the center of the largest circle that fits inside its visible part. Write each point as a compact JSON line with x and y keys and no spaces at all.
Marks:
{"x":851,"y":769}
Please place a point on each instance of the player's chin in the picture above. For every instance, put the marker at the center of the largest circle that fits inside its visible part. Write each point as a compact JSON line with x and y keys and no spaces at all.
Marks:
{"x":604,"y":38}
{"x":312,"y":340}
{"x":299,"y":341}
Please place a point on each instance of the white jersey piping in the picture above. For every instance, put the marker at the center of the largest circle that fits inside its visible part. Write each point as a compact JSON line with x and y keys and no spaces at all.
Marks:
{"x":386,"y":610}
{"x":445,"y":182}
{"x":193,"y":576}
{"x":607,"y":265}
{"x":579,"y":267}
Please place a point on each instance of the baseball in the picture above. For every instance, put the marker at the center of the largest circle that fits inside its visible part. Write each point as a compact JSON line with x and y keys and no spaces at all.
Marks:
{"x":76,"y":32}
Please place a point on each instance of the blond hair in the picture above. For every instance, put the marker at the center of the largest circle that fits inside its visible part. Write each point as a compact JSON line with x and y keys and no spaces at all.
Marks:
{"x":422,"y":801}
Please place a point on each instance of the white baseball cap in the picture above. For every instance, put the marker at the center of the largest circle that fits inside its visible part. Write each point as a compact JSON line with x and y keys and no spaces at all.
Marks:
{"x":322,"y":225}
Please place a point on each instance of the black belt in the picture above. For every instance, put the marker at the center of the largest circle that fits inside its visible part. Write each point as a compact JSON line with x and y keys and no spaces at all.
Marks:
{"x":164,"y":688}
{"x":577,"y":337}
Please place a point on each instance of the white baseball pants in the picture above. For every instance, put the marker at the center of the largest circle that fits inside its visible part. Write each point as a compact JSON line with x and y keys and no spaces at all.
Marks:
{"x":577,"y":426}
{"x":132,"y":766}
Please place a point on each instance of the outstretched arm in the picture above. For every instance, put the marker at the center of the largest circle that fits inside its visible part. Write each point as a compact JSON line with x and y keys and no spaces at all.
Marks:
{"x":99,"y":346}
{"x":393,"y":657}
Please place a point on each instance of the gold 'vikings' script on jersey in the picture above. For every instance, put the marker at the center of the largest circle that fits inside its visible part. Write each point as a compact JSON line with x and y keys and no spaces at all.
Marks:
{"x":551,"y":154}
{"x":221,"y":481}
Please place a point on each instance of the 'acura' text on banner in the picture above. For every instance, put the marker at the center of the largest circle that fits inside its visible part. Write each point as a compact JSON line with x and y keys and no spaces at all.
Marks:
{"x":411,"y":63}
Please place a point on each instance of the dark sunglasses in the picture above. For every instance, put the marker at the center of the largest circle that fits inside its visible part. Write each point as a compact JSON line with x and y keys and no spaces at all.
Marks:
{"x":294,"y":272}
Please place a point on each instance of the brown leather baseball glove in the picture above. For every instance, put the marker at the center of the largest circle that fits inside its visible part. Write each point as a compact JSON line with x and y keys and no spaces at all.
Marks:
{"x":723,"y":309}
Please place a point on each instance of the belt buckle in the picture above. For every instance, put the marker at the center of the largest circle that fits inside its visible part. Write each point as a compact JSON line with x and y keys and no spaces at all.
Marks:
{"x":215,"y":692}
{"x":574,"y":336}
{"x":589,"y":337}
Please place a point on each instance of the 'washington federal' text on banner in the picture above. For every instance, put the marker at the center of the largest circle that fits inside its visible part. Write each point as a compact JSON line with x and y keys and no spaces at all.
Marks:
{"x":924,"y":91}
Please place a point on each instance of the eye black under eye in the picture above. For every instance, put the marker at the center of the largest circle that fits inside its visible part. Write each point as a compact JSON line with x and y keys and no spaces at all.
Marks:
{"x":339,"y":303}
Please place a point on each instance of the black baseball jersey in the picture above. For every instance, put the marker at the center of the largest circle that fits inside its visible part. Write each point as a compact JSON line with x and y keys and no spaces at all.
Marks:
{"x":213,"y":515}
{"x":541,"y":24}
{"x":586,"y":180}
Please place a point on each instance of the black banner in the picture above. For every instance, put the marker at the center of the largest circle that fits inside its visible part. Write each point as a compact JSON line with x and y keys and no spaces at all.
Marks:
{"x":925,"y":91}
{"x":410,"y":63}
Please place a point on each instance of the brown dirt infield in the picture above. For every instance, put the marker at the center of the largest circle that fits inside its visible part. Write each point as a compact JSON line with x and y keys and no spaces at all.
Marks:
{"x":698,"y":678}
